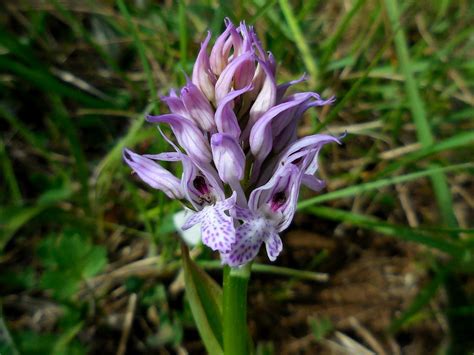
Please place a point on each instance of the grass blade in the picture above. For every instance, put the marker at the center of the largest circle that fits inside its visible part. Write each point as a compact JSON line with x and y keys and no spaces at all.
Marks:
{"x":66,"y":125}
{"x":358,"y":189}
{"x":353,"y":91}
{"x":183,"y":35}
{"x":24,"y":132}
{"x":413,"y":95}
{"x":331,"y":43}
{"x":9,"y":176}
{"x":417,"y":108}
{"x":7,"y":345}
{"x":400,"y":232}
{"x":271,"y":270}
{"x":262,"y":10}
{"x":140,"y":48}
{"x":12,"y":218}
{"x":301,"y":43}
{"x":421,"y":300}
{"x":47,"y":82}
{"x":112,"y":160}
{"x":457,"y":141}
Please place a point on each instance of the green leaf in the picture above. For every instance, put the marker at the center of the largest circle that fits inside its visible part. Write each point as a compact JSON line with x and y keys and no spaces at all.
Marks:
{"x":265,"y":348}
{"x":321,"y":327}
{"x":94,"y":262}
{"x":68,"y":260}
{"x":62,"y":283}
{"x":30,"y":343}
{"x":54,"y":195}
{"x":17,"y":277}
{"x":205,"y":299}
{"x":13,"y":218}
{"x":62,"y":344}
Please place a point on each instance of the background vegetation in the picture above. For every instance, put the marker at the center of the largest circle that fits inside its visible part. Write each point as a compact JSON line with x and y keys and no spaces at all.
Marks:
{"x":380,"y":261}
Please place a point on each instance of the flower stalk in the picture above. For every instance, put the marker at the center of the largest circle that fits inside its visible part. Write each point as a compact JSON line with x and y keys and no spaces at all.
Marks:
{"x":236,"y":338}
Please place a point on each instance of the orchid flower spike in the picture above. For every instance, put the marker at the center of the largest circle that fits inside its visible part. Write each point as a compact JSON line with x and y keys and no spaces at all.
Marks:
{"x":235,"y":135}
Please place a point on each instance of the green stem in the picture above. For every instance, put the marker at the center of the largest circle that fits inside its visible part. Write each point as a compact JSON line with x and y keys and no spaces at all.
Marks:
{"x":235,"y":310}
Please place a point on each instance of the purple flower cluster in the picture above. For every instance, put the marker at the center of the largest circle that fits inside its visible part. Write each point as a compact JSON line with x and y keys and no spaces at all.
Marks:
{"x":243,"y":164}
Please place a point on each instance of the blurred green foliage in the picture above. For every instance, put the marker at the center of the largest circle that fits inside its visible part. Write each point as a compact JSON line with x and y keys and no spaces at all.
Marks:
{"x":79,"y":236}
{"x":67,"y":261}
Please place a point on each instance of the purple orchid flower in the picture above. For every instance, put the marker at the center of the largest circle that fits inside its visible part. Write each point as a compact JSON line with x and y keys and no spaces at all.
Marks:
{"x":153,"y":174}
{"x":242,"y":162}
{"x":217,"y":227}
{"x":271,"y":209}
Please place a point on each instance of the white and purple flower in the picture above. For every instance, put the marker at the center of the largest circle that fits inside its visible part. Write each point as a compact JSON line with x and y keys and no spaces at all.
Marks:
{"x":243,"y":164}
